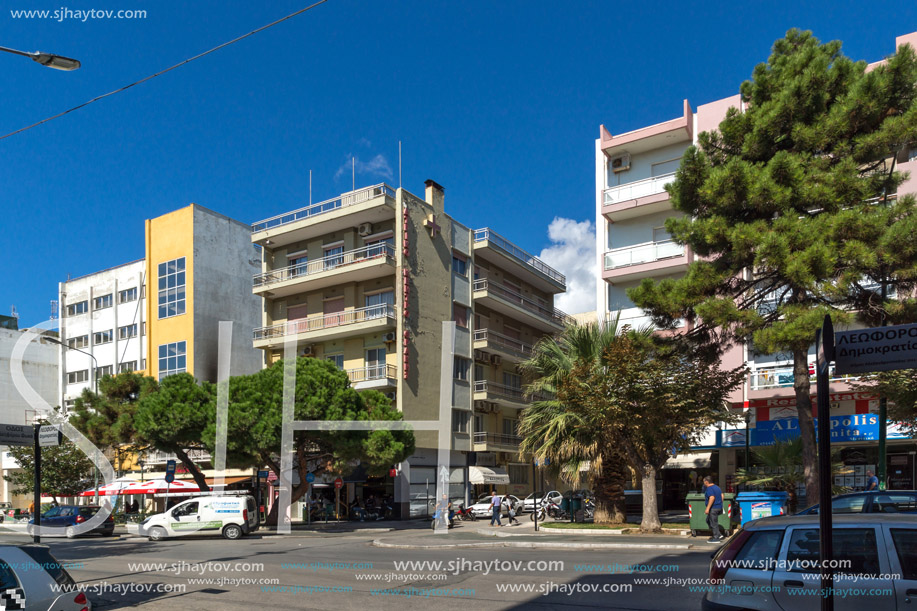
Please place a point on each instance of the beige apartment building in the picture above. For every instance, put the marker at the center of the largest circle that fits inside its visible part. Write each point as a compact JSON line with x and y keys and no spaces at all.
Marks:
{"x":367,"y":279}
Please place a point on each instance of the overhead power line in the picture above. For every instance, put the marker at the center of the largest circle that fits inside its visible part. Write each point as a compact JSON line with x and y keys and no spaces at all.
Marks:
{"x":152,"y":76}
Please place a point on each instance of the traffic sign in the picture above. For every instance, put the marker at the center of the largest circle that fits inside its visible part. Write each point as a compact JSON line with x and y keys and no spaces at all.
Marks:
{"x":339,"y":483}
{"x":263,"y":474}
{"x":49,"y":435}
{"x":16,"y":435}
{"x":170,"y":471}
{"x":310,"y":477}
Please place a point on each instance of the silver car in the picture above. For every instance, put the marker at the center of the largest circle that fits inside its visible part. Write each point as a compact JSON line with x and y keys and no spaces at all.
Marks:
{"x":32,"y":579}
{"x":772,"y":564}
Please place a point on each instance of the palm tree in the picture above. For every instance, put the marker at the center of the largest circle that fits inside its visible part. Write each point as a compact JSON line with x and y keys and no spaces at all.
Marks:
{"x":561,"y":430}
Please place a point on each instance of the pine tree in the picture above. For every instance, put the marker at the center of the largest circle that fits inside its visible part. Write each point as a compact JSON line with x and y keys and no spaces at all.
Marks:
{"x":790,"y":207}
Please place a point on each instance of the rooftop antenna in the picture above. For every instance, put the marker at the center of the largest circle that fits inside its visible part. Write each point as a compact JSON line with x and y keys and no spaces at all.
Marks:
{"x":13,"y":312}
{"x":310,"y":187}
{"x":353,"y":172}
{"x":54,"y":306}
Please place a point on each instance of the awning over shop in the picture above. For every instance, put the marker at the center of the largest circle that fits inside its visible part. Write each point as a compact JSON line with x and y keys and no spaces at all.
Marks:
{"x":689,"y":460}
{"x":487,"y":475}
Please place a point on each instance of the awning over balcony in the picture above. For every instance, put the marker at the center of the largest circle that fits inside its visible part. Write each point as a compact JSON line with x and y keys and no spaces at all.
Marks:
{"x":689,"y":460}
{"x":487,"y":475}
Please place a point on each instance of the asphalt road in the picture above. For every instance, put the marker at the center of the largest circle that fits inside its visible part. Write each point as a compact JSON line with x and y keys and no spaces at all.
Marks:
{"x":345,"y":571}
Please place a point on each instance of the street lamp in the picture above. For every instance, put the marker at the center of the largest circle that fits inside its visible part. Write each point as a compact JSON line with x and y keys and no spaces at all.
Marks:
{"x":95,"y":369}
{"x":58,"y":62}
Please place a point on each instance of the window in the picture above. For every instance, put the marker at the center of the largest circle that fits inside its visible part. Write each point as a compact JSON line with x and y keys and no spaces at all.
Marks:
{"x":479,"y":372}
{"x":101,"y":372}
{"x":127,"y":331}
{"x":849,"y":504}
{"x":510,"y":426}
{"x":460,"y":420}
{"x":127,"y":295}
{"x":337,"y":359}
{"x":129,"y":366}
{"x":375,"y":363}
{"x":894,"y":502}
{"x":100,"y":303}
{"x":8,"y":579}
{"x":518,"y":474}
{"x":661,"y":235}
{"x":511,"y":331}
{"x":78,"y":342}
{"x":379,"y":303}
{"x":77,"y":308}
{"x":172,"y":288}
{"x":460,"y":315}
{"x":760,"y":549}
{"x":906,"y":545}
{"x":172,"y":359}
{"x":665,"y":167}
{"x":378,"y":246}
{"x":143,"y":328}
{"x":459,"y":265}
{"x":479,"y":423}
{"x":856,"y":545}
{"x":299,"y":266}
{"x":75,"y":377}
{"x":460,"y":368}
{"x":103,"y":337}
{"x":512,"y":380}
{"x":43,"y":558}
{"x":333,"y":256}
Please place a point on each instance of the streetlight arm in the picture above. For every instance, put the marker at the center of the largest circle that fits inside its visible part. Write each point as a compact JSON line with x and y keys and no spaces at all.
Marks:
{"x":54,"y":340}
{"x":58,"y":62}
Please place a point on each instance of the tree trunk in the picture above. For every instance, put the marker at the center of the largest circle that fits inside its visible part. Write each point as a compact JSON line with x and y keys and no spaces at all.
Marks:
{"x":192,"y":469}
{"x":650,"y":522}
{"x":806,"y":424}
{"x":610,"y":507}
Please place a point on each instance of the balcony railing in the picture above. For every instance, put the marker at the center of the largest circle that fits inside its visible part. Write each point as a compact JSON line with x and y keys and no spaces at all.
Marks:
{"x":372,"y":372}
{"x":503,"y":440}
{"x":158,"y":456}
{"x":552,"y":314}
{"x":639,"y":188}
{"x":507,"y":392}
{"x":325,"y":321}
{"x":347,"y":199}
{"x":782,"y":377}
{"x":331,"y":262}
{"x":488,"y":235}
{"x":498,"y":339}
{"x":642,"y":253}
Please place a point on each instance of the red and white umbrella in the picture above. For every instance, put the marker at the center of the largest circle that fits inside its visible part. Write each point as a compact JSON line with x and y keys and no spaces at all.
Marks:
{"x":111,"y":489}
{"x":156,"y":486}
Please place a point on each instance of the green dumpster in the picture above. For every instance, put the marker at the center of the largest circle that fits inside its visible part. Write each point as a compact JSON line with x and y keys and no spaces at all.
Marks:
{"x":698,"y":519}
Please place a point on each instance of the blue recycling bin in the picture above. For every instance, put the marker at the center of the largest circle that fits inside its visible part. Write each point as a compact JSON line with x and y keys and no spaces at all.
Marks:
{"x":760,"y":504}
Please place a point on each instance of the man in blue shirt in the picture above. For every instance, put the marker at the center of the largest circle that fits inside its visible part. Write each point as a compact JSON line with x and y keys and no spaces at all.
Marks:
{"x":872,"y":482}
{"x":713,"y":498}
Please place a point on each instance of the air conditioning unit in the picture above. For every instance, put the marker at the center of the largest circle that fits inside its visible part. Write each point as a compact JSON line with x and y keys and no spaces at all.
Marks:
{"x":365,"y":229}
{"x":481,"y":406}
{"x":389,"y":337}
{"x":480,"y":355}
{"x":620,"y":162}
{"x":390,"y":395}
{"x":306,"y":351}
{"x":496,"y":359}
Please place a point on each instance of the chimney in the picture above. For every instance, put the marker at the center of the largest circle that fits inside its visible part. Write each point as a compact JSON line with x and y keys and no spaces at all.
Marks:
{"x":435,"y":196}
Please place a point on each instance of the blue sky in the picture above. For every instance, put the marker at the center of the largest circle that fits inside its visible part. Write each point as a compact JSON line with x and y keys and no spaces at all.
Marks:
{"x":499,"y":102}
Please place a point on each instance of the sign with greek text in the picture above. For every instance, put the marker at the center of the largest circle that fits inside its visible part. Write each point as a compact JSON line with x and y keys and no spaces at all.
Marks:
{"x":876,"y":349}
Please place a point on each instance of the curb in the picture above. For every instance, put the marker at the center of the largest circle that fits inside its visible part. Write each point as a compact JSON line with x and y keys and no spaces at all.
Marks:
{"x":534,"y":545}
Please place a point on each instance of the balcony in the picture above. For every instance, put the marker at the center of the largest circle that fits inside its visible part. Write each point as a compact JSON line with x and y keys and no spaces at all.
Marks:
{"x":637,"y":198}
{"x":491,"y":442}
{"x":510,"y":349}
{"x":325,"y":327}
{"x":645,"y":260}
{"x":369,"y":205}
{"x":494,"y":248}
{"x":769,"y":378}
{"x":509,"y":302}
{"x":509,"y":396}
{"x":373,"y":376}
{"x":356,"y":265}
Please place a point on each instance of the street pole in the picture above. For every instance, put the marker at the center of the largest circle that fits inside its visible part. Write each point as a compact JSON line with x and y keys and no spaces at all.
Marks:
{"x":36,"y":493}
{"x":535,"y":500}
{"x":747,"y":439}
{"x":824,"y":350}
{"x":883,"y":412}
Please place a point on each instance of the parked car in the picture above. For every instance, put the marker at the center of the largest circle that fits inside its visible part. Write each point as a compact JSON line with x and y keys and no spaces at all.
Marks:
{"x":422,"y":504}
{"x":230,"y":516}
{"x":530,"y":502}
{"x":32,"y":579}
{"x":66,"y":517}
{"x":871,"y":501}
{"x":482,"y":509}
{"x":772,"y":564}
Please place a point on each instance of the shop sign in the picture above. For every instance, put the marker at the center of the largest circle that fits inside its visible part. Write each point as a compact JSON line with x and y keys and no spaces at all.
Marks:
{"x":853,"y":427}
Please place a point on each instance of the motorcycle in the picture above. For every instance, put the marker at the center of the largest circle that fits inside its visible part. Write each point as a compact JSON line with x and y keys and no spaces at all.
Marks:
{"x":440,"y":517}
{"x":464,"y":513}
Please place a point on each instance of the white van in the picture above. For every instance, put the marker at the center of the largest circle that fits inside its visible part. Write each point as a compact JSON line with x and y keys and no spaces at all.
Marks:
{"x":230,"y":516}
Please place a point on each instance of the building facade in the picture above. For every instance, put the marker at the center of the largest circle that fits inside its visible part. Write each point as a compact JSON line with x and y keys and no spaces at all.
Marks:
{"x":631,"y":171}
{"x":367,"y":279}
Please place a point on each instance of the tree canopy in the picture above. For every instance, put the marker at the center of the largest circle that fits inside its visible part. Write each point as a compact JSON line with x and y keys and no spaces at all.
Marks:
{"x":791,"y":207}
{"x":65,"y":470}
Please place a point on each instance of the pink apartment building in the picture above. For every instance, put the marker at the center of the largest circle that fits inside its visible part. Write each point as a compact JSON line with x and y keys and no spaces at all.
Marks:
{"x":631,"y":171}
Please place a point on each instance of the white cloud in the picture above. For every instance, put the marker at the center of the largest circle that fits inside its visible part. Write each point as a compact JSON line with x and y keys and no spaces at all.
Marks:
{"x":377,"y":166}
{"x":572,"y":253}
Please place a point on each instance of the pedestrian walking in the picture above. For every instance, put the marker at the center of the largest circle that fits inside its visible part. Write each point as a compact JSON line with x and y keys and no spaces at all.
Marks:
{"x":495,"y":503}
{"x":510,"y":511}
{"x":713,"y":497}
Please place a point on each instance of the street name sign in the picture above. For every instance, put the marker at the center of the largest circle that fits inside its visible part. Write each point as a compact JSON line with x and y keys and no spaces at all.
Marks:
{"x":17,"y":435}
{"x":876,"y":349}
{"x":49,"y":435}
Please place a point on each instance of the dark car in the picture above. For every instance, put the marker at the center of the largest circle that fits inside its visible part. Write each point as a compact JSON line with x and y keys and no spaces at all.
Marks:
{"x":68,"y":516}
{"x":871,"y":501}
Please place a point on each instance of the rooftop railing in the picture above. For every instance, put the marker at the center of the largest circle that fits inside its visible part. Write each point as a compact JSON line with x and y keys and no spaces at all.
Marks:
{"x":782,"y":377}
{"x":325,"y":321}
{"x":488,"y":235}
{"x":324,"y":264}
{"x":552,"y":314}
{"x":342,"y":201}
